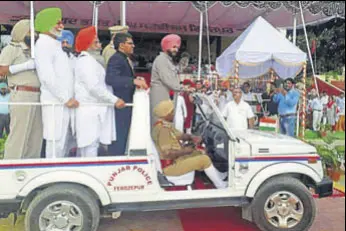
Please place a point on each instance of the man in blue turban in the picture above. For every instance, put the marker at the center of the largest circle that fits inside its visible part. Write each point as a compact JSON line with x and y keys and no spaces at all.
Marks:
{"x":67,"y":41}
{"x":66,"y":38}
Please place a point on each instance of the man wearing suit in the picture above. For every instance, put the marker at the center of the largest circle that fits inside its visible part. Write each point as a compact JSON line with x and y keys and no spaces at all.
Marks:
{"x":120,"y":76}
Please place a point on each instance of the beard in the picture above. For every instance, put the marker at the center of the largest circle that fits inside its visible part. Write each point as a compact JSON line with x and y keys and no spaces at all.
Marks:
{"x":171,"y":54}
{"x":96,"y":54}
{"x":55,"y":32}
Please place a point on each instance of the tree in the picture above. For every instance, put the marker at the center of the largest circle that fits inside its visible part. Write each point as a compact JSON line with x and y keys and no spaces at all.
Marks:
{"x":330,"y":45}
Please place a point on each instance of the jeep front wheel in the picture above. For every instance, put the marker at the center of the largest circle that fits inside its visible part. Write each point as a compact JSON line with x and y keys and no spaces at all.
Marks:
{"x":63,"y":207}
{"x":284,"y":203}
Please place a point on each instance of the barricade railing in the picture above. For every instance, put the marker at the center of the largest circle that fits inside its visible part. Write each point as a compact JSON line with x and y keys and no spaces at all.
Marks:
{"x":54,"y":104}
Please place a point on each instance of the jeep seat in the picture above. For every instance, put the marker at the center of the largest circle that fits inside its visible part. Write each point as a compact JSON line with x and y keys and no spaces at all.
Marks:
{"x":183,"y":180}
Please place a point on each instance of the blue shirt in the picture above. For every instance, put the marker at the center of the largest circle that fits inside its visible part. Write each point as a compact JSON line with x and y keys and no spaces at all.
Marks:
{"x":4,"y":108}
{"x":288,"y":103}
{"x":341,"y":104}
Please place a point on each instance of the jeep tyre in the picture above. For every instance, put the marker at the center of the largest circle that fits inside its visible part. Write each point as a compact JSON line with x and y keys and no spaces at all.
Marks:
{"x":283,"y":204}
{"x":63,"y":207}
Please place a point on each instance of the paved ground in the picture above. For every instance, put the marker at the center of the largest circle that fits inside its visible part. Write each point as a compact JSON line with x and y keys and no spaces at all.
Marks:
{"x":330,"y":217}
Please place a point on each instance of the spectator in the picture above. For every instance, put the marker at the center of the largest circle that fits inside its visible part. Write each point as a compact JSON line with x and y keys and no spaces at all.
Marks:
{"x":189,"y":106}
{"x":287,"y":99}
{"x":332,"y":112}
{"x":238,"y":113}
{"x":247,"y":95}
{"x":324,"y":100}
{"x":341,"y":105}
{"x":317,"y":112}
{"x":271,"y":106}
{"x":4,"y":110}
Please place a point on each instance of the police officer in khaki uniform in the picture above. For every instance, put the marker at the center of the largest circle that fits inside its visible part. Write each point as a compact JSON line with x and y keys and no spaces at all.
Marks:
{"x":109,"y":50}
{"x":179,"y":160}
{"x":25,"y":138}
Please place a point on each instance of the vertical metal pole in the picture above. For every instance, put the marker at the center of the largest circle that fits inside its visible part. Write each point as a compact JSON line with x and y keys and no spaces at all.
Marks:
{"x":308,"y":47}
{"x":200,"y":45}
{"x":208,"y":39}
{"x":304,"y":103}
{"x":123,"y":13}
{"x":295,"y":29}
{"x":54,"y":133}
{"x":32,"y":29}
{"x":94,"y":7}
{"x":96,"y":17}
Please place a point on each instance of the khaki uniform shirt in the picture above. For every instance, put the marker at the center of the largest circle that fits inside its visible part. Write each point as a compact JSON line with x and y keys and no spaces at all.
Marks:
{"x":15,"y":54}
{"x":108,"y":52}
{"x":166,"y":137}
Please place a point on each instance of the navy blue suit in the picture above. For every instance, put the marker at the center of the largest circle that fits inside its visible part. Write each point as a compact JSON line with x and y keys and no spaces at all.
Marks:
{"x":120,"y":76}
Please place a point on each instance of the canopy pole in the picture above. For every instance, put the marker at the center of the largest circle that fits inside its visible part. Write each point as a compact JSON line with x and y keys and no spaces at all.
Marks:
{"x":32,"y":30}
{"x":272,"y":75}
{"x":208,"y":38}
{"x":308,"y":48}
{"x":304,"y":103}
{"x":295,"y":29}
{"x":96,"y":17}
{"x":94,"y":9}
{"x":200,"y":45}
{"x":123,"y":13}
{"x":237,"y":71}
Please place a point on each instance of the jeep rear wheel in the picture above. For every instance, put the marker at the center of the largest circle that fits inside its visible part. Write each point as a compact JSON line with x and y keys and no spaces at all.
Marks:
{"x":63,"y":207}
{"x":283,"y":204}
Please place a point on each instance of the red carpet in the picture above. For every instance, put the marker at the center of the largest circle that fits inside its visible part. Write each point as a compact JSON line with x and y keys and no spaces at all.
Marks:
{"x":221,"y":219}
{"x":214,"y":219}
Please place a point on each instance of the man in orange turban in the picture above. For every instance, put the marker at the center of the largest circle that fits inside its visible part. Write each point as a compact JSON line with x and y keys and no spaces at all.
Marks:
{"x":164,"y":73}
{"x":90,"y":87}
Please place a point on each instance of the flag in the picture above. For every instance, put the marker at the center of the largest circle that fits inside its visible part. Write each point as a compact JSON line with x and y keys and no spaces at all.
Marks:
{"x":313,"y":46}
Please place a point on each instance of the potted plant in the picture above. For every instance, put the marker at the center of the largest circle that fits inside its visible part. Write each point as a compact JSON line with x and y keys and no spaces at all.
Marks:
{"x":323,"y":131}
{"x":330,"y":161}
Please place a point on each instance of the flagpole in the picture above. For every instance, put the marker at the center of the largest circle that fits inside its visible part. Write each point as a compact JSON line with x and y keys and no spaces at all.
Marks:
{"x":316,"y":56}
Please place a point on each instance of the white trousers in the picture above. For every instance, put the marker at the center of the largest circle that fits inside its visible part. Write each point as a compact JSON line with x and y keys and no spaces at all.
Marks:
{"x":90,"y":150}
{"x":62,"y":146}
{"x":317,"y":119}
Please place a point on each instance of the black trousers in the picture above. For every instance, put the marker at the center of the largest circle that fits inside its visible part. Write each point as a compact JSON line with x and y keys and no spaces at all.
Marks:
{"x":4,"y":124}
{"x":123,"y":119}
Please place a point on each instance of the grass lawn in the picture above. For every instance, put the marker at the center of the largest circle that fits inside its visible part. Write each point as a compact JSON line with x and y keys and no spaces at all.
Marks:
{"x":7,"y":224}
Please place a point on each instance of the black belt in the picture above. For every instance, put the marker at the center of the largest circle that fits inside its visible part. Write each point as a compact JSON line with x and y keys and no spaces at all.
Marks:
{"x":318,"y":110}
{"x":288,"y":115}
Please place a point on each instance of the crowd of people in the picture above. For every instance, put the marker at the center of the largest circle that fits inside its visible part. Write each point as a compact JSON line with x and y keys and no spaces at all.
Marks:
{"x":326,"y":110}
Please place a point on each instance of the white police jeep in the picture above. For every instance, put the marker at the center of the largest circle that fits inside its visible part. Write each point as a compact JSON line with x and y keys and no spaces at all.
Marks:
{"x":269,"y":176}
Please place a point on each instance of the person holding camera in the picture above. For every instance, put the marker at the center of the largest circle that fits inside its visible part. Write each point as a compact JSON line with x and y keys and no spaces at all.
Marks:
{"x":287,"y":98}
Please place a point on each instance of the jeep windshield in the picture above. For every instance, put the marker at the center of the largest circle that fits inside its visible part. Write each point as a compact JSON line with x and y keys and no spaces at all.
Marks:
{"x":210,"y":113}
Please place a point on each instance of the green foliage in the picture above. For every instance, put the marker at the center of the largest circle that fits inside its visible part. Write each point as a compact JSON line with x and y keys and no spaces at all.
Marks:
{"x":330,"y":46}
{"x":338,"y":135}
{"x":329,"y":156}
{"x":311,"y":135}
{"x":2,"y":147}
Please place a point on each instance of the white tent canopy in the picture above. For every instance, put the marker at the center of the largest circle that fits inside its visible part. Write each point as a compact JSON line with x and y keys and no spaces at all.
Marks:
{"x":258,"y":49}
